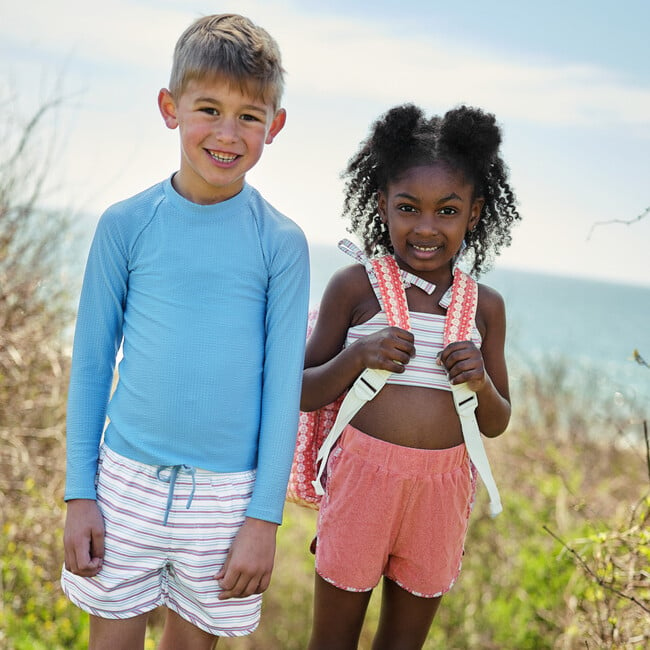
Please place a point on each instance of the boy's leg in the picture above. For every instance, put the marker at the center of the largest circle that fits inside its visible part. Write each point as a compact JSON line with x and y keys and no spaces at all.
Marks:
{"x":405,"y":619}
{"x":117,"y":634}
{"x":338,"y":616}
{"x":180,"y":634}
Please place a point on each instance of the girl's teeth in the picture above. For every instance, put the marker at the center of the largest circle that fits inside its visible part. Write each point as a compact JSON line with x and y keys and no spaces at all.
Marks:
{"x":426,"y":249}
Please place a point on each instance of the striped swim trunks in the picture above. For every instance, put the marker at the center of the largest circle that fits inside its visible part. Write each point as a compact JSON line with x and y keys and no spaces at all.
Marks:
{"x":168,"y":532}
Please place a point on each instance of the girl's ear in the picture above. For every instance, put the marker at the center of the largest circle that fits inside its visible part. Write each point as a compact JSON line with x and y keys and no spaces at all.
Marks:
{"x":167,"y":108}
{"x":381,"y":206}
{"x":475,"y":215}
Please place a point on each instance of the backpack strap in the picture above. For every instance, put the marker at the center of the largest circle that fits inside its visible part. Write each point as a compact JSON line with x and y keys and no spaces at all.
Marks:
{"x":371,"y":380}
{"x":462,"y":309}
{"x":389,"y":279}
{"x":458,"y":327}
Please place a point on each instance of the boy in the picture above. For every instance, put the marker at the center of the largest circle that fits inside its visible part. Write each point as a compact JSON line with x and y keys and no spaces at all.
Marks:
{"x":205,"y":286}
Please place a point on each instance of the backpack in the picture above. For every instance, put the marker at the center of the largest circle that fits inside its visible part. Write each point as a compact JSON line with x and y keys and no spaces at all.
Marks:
{"x":319,"y":430}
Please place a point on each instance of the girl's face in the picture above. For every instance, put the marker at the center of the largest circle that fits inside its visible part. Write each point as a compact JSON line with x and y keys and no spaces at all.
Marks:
{"x":428,"y":211}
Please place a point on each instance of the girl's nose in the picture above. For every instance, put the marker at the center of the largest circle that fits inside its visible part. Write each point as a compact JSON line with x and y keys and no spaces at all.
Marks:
{"x":426,"y":224}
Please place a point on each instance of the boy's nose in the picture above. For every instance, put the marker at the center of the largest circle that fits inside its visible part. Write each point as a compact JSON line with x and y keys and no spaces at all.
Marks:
{"x":227,"y":130}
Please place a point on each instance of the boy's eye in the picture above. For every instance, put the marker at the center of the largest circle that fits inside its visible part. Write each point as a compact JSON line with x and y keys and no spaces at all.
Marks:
{"x":208,"y":110}
{"x":249,"y":118}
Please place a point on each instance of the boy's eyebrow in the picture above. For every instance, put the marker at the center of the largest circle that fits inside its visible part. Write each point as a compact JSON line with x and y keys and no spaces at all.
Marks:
{"x":246,"y":107}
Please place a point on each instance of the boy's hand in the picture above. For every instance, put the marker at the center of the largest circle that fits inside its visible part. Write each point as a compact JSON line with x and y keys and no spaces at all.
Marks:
{"x":388,"y":349}
{"x":248,"y":566}
{"x":83,"y":538}
{"x":464,"y":364}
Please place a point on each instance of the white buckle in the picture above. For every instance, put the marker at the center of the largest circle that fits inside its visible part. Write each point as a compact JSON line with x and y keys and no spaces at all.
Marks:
{"x":369,"y":383}
{"x":464,"y":398}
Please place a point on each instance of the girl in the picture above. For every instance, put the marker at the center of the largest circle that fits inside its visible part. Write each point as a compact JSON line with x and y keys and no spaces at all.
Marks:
{"x":400,"y":486}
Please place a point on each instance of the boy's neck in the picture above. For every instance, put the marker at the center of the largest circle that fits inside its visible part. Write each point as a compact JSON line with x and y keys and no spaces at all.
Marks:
{"x":211,"y":196}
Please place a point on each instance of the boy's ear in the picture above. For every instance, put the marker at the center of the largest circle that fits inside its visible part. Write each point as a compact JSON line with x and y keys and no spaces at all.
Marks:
{"x":477,"y":208}
{"x":167,"y":107}
{"x":276,"y":125}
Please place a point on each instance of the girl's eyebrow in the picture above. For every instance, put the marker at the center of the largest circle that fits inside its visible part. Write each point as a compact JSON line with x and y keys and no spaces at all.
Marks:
{"x":450,"y":197}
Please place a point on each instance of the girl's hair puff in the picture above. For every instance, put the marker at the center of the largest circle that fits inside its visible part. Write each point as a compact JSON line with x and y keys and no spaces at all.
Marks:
{"x":466,"y":139}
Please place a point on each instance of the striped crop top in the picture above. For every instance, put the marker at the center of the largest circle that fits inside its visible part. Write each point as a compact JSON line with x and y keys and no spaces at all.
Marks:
{"x":427,"y":329}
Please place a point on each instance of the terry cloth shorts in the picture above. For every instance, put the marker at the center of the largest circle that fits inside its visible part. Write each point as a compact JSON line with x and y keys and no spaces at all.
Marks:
{"x":168,"y":531}
{"x":394,"y":511}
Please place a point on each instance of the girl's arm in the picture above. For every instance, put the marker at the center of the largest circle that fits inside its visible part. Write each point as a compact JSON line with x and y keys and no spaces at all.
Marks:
{"x":330,"y":368}
{"x":484,"y":370}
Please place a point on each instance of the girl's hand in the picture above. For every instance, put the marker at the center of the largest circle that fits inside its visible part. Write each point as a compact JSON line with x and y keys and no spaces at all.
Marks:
{"x":464,"y":364}
{"x":389,"y":349}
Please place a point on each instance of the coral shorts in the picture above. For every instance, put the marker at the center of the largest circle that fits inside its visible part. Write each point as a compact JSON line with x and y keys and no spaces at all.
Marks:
{"x":394,"y":511}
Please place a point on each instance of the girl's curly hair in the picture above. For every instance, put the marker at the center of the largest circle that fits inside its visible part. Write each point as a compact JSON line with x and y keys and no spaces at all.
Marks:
{"x":466,"y":139}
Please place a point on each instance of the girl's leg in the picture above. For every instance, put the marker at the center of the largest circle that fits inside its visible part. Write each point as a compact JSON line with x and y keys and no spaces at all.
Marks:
{"x":116,"y":633}
{"x":179,"y":634}
{"x":404,"y":620}
{"x":338,"y":617}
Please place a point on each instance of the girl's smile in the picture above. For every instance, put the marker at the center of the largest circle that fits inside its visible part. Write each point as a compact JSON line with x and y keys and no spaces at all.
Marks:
{"x":428,"y":211}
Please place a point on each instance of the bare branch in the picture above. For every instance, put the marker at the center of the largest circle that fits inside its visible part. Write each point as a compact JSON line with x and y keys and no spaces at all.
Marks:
{"x":625,"y":222}
{"x":591,"y":573}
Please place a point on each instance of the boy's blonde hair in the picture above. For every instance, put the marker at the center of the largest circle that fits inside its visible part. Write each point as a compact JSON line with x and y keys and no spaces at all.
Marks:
{"x":229,"y":46}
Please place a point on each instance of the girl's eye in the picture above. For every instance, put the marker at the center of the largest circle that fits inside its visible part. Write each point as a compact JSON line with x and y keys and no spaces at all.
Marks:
{"x":405,"y":207}
{"x":449,"y":211}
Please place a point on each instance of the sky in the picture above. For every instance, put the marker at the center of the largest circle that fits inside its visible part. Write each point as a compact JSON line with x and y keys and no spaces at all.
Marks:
{"x":568,"y":81}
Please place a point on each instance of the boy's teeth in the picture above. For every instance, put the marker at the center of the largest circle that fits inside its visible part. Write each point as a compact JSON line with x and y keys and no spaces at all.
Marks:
{"x":224,"y":158}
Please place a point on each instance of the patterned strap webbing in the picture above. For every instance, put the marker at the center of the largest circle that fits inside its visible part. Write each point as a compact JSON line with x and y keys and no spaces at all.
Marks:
{"x":392,"y":291}
{"x":462,"y":309}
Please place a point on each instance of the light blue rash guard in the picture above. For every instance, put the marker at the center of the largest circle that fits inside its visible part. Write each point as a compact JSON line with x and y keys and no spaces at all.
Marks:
{"x":209,"y":304}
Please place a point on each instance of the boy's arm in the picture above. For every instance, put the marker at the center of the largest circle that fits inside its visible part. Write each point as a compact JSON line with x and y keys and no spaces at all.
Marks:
{"x":248,"y":566}
{"x":98,"y":335}
{"x":286,"y":325}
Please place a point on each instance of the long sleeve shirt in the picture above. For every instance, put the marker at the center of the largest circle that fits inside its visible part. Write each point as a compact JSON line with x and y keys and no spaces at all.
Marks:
{"x":209,"y":305}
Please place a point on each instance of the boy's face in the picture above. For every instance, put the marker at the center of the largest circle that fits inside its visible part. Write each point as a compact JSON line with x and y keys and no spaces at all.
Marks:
{"x":223,"y":133}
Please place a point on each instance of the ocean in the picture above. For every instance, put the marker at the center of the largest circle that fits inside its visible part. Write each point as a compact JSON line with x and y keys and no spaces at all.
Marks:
{"x":589,"y":327}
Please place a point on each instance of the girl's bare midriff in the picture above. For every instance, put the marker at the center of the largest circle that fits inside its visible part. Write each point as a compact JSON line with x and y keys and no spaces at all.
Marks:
{"x":425,"y":419}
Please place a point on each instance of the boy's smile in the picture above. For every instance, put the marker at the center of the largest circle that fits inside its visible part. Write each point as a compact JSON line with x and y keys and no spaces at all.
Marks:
{"x":223,"y":132}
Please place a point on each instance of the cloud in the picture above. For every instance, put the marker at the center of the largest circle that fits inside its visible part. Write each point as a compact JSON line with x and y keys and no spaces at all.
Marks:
{"x":340,"y":58}
{"x":343,"y":58}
